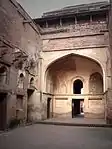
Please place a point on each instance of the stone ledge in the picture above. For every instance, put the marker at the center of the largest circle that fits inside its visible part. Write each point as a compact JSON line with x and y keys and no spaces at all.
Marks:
{"x":75,"y":124}
{"x":58,"y":124}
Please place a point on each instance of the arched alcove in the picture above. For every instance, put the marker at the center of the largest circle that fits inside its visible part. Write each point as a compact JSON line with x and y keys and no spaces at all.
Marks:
{"x":21,"y":81}
{"x":77,"y":86}
{"x":3,"y":74}
{"x":96,"y":83}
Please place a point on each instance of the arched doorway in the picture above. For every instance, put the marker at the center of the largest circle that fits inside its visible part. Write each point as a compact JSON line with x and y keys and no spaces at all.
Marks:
{"x":77,"y":86}
{"x":77,"y":104}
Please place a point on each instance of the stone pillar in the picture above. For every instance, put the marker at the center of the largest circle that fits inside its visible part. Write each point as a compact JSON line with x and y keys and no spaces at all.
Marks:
{"x":40,"y":81}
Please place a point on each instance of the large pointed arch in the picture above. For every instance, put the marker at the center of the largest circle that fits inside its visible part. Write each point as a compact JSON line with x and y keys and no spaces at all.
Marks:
{"x":72,"y":54}
{"x":56,"y":61}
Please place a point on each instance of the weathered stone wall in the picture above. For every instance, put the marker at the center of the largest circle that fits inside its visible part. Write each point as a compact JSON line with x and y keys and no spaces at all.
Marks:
{"x":94,"y":106}
{"x":13,"y":27}
{"x":109,"y":92}
{"x":75,"y":29}
{"x":89,"y":39}
{"x":44,"y":106}
{"x":21,"y":35}
{"x":76,"y":36}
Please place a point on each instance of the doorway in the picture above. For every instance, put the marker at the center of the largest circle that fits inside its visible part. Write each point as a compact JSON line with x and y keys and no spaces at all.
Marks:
{"x":48,"y":108}
{"x":77,"y":108}
{"x":29,"y":104}
{"x":3,"y":110}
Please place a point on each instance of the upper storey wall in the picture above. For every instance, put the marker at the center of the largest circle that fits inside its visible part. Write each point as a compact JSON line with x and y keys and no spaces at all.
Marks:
{"x":17,"y":27}
{"x":75,"y":27}
{"x":76,"y":35}
{"x":83,"y":29}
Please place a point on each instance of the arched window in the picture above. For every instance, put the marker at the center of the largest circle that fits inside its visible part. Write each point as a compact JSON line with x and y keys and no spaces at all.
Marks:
{"x":31,"y":82}
{"x":77,"y":86}
{"x":21,"y":81}
{"x":96,"y":83}
{"x":3,"y":74}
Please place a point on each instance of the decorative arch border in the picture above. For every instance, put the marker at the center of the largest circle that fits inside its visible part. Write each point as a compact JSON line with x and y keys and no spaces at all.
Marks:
{"x":74,"y":79}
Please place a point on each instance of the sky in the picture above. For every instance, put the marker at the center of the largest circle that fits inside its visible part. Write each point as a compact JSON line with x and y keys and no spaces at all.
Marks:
{"x":35,"y":8}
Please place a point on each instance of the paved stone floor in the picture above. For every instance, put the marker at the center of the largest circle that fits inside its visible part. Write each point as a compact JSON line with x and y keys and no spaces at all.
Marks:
{"x":57,"y":137}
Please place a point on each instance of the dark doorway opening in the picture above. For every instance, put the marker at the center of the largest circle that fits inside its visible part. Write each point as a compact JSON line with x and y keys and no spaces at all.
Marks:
{"x":77,"y":86}
{"x":48,"y":108}
{"x":77,"y":108}
{"x":3,"y":109}
{"x":29,"y":105}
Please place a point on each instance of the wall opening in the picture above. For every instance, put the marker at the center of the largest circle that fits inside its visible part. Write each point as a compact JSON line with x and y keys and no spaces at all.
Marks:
{"x":3,"y":111}
{"x":29,"y":104}
{"x":48,"y":108}
{"x":77,"y":86}
{"x":77,"y":108}
{"x":21,"y":81}
{"x":3,"y":75}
